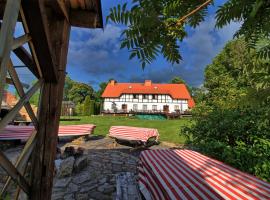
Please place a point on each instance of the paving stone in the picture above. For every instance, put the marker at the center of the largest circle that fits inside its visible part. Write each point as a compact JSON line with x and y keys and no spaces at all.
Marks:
{"x":62,"y":183}
{"x":81,"y":178}
{"x":81,"y":196}
{"x":72,"y":188}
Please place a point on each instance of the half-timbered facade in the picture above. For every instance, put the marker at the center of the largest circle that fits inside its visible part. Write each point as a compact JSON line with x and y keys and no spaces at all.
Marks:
{"x":146,"y":97}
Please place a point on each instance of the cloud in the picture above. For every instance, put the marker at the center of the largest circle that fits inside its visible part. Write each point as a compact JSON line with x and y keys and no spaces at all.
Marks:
{"x":198,"y":49}
{"x":94,"y":51}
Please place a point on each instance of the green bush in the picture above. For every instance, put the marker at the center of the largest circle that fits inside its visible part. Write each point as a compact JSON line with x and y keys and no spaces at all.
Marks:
{"x":239,"y":137}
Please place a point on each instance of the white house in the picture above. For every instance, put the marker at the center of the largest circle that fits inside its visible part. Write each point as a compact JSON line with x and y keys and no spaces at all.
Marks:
{"x":146,"y":97}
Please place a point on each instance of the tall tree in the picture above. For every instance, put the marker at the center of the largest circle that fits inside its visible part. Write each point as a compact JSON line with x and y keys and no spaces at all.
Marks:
{"x":79,"y":92}
{"x":100,"y":91}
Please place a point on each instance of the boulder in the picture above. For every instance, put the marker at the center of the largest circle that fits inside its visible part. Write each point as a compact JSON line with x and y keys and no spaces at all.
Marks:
{"x":80,"y":163}
{"x":66,"y":167}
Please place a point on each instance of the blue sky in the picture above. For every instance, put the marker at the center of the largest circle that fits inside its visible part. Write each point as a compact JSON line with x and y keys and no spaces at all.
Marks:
{"x":95,"y":55}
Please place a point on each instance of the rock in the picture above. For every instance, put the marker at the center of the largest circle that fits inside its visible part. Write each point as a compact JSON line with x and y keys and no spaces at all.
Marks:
{"x":62,"y":183}
{"x":81,"y":196}
{"x":69,"y":151}
{"x":89,"y":186}
{"x":117,"y":168}
{"x":109,"y":189}
{"x":69,"y":197}
{"x":79,"y":152}
{"x":72,"y":188}
{"x":99,"y":195}
{"x":103,"y":180}
{"x":66,"y":167}
{"x":81,"y":178}
{"x":80,"y":163}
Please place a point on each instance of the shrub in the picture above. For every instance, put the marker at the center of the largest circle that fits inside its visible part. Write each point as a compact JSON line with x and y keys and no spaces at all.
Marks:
{"x":239,"y":137}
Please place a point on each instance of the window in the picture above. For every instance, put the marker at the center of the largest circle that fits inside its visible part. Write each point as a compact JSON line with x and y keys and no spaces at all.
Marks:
{"x":145,"y":96}
{"x":176,"y":108}
{"x":144,"y":107}
{"x":154,"y":107}
{"x":135,"y":107}
{"x":154,"y":96}
{"x":135,"y":96}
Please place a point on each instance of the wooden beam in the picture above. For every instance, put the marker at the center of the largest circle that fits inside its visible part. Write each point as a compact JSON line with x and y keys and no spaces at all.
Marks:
{"x":39,"y":27}
{"x":26,"y":58}
{"x":19,"y":105}
{"x":84,"y":18}
{"x":13,"y":173}
{"x":17,"y":42}
{"x":49,"y":114}
{"x":15,"y":78}
{"x":31,"y":45}
{"x":10,"y":82}
{"x":6,"y":38}
{"x":21,"y":163}
{"x":60,"y":7}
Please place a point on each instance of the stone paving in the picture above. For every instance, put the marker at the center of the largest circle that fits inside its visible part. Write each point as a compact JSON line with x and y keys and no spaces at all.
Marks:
{"x":89,"y":168}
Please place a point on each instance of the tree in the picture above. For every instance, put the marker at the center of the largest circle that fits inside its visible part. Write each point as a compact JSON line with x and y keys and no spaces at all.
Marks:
{"x":154,"y":27}
{"x":100,"y":91}
{"x":177,"y":80}
{"x":67,"y":87}
{"x":79,"y":92}
{"x":86,"y":106}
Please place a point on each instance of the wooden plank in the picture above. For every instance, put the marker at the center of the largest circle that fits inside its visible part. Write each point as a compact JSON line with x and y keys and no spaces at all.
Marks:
{"x":13,"y":173}
{"x":19,"y":105}
{"x":15,"y":78}
{"x":17,"y":42}
{"x":21,"y":163}
{"x":39,"y":27}
{"x":49,"y":114}
{"x":6,"y":39}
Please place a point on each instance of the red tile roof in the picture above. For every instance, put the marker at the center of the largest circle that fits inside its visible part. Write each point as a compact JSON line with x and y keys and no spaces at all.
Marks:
{"x":176,"y":91}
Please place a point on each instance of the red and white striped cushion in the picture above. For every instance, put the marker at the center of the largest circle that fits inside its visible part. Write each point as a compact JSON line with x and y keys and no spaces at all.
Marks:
{"x":186,"y":174}
{"x":133,"y":133}
{"x":24,"y":132}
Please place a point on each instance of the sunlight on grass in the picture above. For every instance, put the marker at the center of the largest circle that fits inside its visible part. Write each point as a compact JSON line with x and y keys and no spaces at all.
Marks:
{"x":169,"y":130}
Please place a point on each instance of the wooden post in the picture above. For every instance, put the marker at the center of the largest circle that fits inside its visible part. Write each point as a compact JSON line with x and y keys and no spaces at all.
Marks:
{"x":51,"y":100}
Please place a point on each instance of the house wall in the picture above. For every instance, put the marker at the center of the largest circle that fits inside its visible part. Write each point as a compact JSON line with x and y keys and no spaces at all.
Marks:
{"x":159,"y":102}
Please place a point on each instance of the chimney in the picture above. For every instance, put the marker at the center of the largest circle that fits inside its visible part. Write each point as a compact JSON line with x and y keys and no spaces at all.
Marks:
{"x":112,"y":82}
{"x":148,"y":83}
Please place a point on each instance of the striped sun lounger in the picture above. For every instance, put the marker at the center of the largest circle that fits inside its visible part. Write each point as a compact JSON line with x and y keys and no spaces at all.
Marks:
{"x":186,"y":174}
{"x":24,"y":132}
{"x":128,"y":133}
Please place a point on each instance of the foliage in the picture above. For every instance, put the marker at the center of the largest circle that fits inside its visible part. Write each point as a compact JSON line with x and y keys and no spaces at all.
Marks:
{"x":239,"y":137}
{"x":79,"y":92}
{"x":255,"y":18}
{"x":153,"y":27}
{"x":232,"y":115}
{"x":177,"y":80}
{"x":98,"y":94}
{"x":86,"y":106}
{"x":79,"y":109}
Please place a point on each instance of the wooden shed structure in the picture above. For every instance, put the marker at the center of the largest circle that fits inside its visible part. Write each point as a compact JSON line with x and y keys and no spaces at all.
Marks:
{"x":47,"y":25}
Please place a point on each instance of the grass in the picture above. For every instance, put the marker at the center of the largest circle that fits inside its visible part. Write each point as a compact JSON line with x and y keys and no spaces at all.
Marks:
{"x":169,"y":130}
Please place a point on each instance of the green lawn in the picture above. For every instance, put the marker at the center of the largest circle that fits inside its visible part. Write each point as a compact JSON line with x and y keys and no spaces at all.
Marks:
{"x":168,"y":129}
